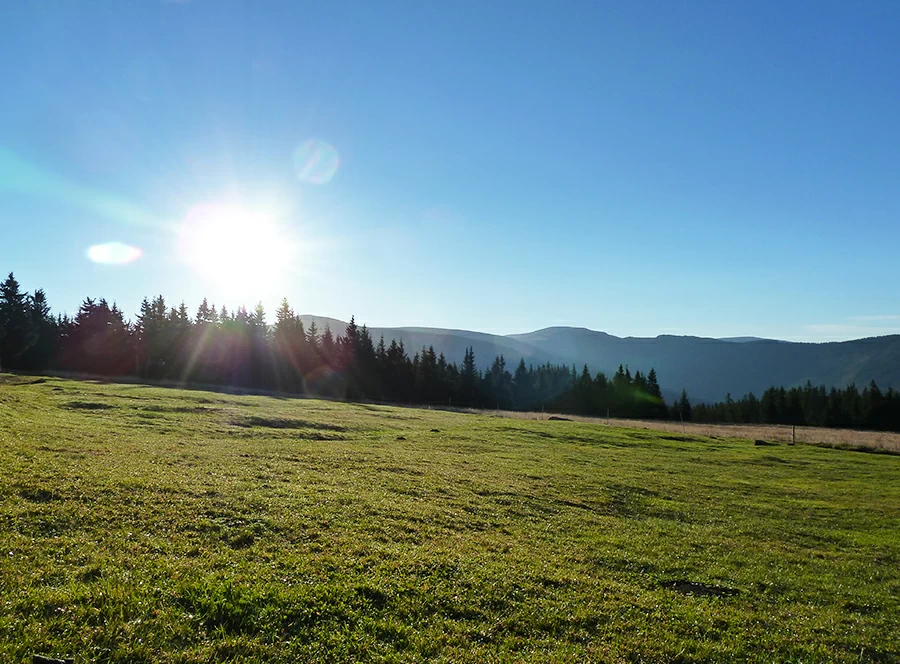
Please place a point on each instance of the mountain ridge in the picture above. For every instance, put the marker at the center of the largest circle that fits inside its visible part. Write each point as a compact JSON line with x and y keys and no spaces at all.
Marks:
{"x":708,"y":368}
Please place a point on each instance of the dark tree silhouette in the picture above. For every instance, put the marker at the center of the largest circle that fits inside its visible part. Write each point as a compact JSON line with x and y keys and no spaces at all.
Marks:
{"x":17,"y":333}
{"x":240,"y":349}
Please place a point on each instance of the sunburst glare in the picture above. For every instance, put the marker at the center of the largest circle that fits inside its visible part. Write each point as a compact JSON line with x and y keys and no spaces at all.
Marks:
{"x":244,"y":252}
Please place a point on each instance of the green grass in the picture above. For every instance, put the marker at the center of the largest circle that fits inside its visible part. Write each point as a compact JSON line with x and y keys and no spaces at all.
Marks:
{"x":143,"y":524}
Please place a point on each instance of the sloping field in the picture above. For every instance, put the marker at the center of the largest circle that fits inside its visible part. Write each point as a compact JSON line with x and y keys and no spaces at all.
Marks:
{"x":143,"y":524}
{"x":876,"y":441}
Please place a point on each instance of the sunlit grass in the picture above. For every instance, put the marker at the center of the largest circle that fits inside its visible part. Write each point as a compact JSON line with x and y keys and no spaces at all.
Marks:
{"x":876,"y":441}
{"x":150,"y":524}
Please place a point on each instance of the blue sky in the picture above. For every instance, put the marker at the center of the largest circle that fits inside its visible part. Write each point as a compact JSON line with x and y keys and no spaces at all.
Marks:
{"x":716,"y":169}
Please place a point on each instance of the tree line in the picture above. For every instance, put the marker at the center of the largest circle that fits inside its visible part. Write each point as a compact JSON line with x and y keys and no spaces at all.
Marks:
{"x":239,"y":348}
{"x":810,"y":405}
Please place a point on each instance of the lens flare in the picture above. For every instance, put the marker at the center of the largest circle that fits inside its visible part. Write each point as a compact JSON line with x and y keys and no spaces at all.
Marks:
{"x":22,"y":177}
{"x":113,"y":253}
{"x":315,"y":161}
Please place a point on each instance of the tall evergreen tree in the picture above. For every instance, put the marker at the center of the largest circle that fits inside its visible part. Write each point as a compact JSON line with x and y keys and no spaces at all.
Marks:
{"x":468,"y":379}
{"x":17,"y":335}
{"x":684,"y":406}
{"x":522,"y":387}
{"x":45,"y":331}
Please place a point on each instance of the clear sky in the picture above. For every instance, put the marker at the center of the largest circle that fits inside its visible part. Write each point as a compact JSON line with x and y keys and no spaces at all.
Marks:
{"x":708,"y":168}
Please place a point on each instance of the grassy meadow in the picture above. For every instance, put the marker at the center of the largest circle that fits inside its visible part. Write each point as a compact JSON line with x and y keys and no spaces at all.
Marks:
{"x":875,"y":441}
{"x":146,"y":524}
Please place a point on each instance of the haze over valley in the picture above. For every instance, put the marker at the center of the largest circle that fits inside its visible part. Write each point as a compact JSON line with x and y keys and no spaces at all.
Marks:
{"x":709,"y":369}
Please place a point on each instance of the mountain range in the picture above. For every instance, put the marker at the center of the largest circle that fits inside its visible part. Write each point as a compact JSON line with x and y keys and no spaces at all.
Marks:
{"x":707,"y":368}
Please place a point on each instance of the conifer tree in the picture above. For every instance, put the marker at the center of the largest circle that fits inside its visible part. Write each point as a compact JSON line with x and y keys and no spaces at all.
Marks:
{"x":328,"y":348}
{"x":284,"y":321}
{"x":45,"y":331}
{"x":257,"y":320}
{"x":468,"y":379}
{"x":15,"y":323}
{"x":653,"y":384}
{"x":312,"y":335}
{"x":522,"y":385}
{"x":381,"y":353}
{"x":684,"y":406}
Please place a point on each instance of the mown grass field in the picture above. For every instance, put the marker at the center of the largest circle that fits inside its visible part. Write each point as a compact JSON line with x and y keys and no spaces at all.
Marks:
{"x":876,"y":441}
{"x":142,"y":524}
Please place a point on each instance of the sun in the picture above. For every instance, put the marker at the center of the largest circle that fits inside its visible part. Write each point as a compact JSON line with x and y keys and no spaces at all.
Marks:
{"x":243,"y":252}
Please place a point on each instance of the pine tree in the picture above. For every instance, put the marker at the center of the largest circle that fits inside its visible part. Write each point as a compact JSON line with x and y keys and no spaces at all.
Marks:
{"x":202,"y":315}
{"x":351,"y":333}
{"x":284,"y":319}
{"x":584,"y":392}
{"x":499,"y":384}
{"x":99,"y":340}
{"x":522,"y":388}
{"x":16,"y":333}
{"x":684,"y":406}
{"x":620,"y":381}
{"x":311,"y":359}
{"x":468,"y":379}
{"x":155,"y":336}
{"x":183,"y":318}
{"x":45,"y":331}
{"x":381,"y":353}
{"x":257,"y":320}
{"x":329,"y":348}
{"x":653,"y":384}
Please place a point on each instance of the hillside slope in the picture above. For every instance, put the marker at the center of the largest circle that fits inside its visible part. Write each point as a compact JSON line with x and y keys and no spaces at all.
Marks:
{"x":452,"y":343}
{"x":711,"y":368}
{"x":149,"y":524}
{"x":707,"y":368}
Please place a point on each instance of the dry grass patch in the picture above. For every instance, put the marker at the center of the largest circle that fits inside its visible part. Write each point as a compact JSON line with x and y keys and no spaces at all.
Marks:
{"x":875,"y":440}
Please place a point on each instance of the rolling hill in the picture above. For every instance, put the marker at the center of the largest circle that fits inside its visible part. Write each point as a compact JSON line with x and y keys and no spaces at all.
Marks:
{"x":707,"y":368}
{"x":452,"y":343}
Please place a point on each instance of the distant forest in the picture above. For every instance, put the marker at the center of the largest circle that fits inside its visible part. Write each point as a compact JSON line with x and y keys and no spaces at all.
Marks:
{"x":240,"y":349}
{"x":810,"y":405}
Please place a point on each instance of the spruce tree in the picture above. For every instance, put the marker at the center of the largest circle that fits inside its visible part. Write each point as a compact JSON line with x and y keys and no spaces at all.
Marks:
{"x":328,"y":347}
{"x":381,"y":353}
{"x":522,"y":388}
{"x":15,"y":322}
{"x":284,"y":319}
{"x":584,"y":392}
{"x":684,"y":406}
{"x":45,"y":331}
{"x":202,"y":315}
{"x":312,"y":335}
{"x":257,"y":320}
{"x":653,"y":384}
{"x":468,"y":379}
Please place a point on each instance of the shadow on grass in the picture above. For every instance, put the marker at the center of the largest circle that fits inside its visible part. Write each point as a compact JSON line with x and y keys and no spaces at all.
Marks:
{"x":848,"y":447}
{"x":88,"y":405}
{"x":39,"y":495}
{"x":15,"y":380}
{"x":286,"y":423}
{"x":686,"y":587}
{"x":178,"y":409}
